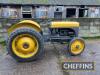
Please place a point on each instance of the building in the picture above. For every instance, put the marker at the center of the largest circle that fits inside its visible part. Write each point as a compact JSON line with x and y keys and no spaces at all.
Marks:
{"x":49,"y":8}
{"x":86,"y":12}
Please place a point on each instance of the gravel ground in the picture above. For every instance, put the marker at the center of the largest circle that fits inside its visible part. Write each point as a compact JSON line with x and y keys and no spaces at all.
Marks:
{"x":49,"y":65}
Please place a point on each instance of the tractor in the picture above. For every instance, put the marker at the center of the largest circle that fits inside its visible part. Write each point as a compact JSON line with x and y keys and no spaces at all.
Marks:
{"x":26,"y":38}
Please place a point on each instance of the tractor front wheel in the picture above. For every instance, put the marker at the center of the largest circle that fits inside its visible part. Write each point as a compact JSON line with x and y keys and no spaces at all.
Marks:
{"x":25,"y":44}
{"x":76,"y":46}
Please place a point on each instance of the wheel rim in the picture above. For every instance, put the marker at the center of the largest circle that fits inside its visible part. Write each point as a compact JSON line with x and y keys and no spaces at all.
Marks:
{"x":77,"y":46}
{"x":25,"y":46}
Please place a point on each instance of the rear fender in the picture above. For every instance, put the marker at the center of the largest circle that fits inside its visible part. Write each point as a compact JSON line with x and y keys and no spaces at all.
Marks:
{"x":25,"y":23}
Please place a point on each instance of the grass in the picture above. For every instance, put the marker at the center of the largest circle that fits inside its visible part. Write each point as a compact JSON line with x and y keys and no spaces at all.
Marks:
{"x":3,"y":43}
{"x":89,"y":38}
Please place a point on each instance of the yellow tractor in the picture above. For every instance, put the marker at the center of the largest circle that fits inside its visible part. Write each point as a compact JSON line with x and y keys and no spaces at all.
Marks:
{"x":26,"y":39}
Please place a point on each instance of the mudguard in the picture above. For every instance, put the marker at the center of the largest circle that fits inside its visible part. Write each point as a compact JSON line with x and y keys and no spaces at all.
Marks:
{"x":25,"y":23}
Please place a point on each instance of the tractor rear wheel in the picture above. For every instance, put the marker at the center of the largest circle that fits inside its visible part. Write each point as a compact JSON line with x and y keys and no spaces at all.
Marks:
{"x":76,"y":46}
{"x":25,"y":44}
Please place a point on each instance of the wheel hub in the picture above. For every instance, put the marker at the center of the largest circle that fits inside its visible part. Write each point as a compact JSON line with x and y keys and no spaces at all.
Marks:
{"x":77,"y":47}
{"x":26,"y":45}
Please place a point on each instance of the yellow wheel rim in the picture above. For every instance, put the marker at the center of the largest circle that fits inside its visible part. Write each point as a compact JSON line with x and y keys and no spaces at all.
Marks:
{"x":77,"y":46}
{"x":25,"y":46}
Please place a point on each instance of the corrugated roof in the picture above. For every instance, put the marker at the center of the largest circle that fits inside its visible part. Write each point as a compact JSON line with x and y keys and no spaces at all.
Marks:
{"x":75,"y":2}
{"x":53,"y":2}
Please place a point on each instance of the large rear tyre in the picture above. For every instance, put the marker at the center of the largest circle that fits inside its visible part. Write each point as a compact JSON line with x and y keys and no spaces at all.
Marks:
{"x":76,"y":46}
{"x":25,"y":44}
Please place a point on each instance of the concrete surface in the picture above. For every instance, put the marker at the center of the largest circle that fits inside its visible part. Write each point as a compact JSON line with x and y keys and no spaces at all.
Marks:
{"x":91,"y":54}
{"x":49,"y":65}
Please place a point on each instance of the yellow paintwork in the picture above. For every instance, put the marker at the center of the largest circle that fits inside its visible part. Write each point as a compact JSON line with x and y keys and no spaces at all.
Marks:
{"x":77,"y":47}
{"x":64,"y":24}
{"x":25,"y":23}
{"x":19,"y":49}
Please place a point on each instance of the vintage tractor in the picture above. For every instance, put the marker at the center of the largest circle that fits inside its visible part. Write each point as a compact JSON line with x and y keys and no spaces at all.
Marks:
{"x":26,"y":39}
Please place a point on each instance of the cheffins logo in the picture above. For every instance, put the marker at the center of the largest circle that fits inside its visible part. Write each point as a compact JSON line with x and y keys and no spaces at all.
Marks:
{"x":78,"y":66}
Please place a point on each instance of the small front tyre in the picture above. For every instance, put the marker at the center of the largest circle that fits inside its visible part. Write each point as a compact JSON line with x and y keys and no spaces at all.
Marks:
{"x":76,"y":46}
